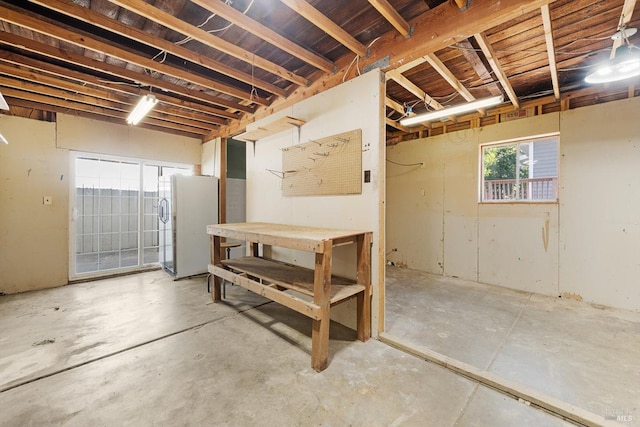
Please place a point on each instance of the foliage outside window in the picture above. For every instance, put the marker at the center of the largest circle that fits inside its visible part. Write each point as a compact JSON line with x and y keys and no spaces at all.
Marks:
{"x":522,"y":171}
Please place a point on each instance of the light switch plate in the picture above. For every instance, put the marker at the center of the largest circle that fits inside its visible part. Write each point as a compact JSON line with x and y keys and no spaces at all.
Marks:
{"x":47,"y":200}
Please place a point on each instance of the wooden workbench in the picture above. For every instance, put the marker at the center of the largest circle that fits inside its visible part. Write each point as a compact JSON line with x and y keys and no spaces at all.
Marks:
{"x":287,"y":284}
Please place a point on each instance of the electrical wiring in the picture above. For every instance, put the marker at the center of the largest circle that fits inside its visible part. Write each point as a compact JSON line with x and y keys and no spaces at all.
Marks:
{"x":405,"y":164}
{"x":356,"y":60}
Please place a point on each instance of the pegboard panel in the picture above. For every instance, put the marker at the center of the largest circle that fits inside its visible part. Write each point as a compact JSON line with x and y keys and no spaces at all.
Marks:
{"x":331,"y":165}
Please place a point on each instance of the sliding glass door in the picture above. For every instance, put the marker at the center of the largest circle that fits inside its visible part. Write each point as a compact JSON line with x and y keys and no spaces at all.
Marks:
{"x":114,"y":213}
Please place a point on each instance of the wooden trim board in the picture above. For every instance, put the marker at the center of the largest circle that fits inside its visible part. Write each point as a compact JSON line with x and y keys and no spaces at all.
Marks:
{"x":555,"y":406}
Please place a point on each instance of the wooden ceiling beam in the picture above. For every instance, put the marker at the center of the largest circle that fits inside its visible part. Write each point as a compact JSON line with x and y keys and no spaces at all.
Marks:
{"x":392,"y":15}
{"x":22,"y":103}
{"x":314,"y":16}
{"x":551,"y":50}
{"x":87,"y":42}
{"x":265,"y":33}
{"x":394,"y":105}
{"x":489,"y":53}
{"x":85,"y":79}
{"x":435,"y":29}
{"x":71,"y":106}
{"x":398,"y":126}
{"x":108,"y":95}
{"x":94,"y":18}
{"x":471,"y":55}
{"x":119,"y":72}
{"x":161,"y":17}
{"x":415,"y":90}
{"x":442,"y":69}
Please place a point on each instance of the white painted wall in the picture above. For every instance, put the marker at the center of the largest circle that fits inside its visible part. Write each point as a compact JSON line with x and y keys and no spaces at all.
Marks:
{"x":34,"y":239}
{"x":587,"y":246}
{"x":352,"y":105}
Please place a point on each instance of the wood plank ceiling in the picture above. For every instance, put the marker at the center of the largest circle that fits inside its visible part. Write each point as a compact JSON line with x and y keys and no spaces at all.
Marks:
{"x":216,"y":65}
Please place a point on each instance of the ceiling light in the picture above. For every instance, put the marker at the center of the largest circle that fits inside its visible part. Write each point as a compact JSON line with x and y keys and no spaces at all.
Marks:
{"x":452,"y":111}
{"x":625,"y":65}
{"x":3,"y":103}
{"x":143,"y":107}
{"x":624,"y":33}
{"x":3,"y":139}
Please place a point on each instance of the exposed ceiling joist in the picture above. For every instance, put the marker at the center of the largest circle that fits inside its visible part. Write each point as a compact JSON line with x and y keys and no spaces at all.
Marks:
{"x":163,"y":18}
{"x":108,"y":95}
{"x":471,"y":55}
{"x":86,"y":104}
{"x":87,"y":15}
{"x":265,"y":33}
{"x":442,"y":69}
{"x":394,"y":105}
{"x":392,"y":15}
{"x":551,"y":50}
{"x":487,"y":49}
{"x":314,"y":16}
{"x":87,"y":42}
{"x":415,"y":90}
{"x":398,"y":126}
{"x":118,"y":72}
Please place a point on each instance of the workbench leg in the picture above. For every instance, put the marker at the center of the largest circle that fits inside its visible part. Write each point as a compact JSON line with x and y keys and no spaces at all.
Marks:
{"x":321,"y":296}
{"x":215,"y":260}
{"x":363,"y":300}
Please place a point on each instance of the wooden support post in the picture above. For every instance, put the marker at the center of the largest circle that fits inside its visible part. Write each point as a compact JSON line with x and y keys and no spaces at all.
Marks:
{"x":364,"y":278}
{"x":321,"y":297}
{"x":216,"y":294}
{"x":223,"y":181}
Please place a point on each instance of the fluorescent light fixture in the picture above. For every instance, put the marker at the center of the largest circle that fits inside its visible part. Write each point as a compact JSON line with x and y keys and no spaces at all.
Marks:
{"x":452,"y":111}
{"x":3,"y":139}
{"x":3,"y":103}
{"x":625,"y":65}
{"x":143,"y":107}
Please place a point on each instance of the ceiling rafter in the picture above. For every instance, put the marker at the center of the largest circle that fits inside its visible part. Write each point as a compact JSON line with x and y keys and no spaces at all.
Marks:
{"x":446,"y":73}
{"x":314,"y":16}
{"x":265,"y":33}
{"x":87,"y":42}
{"x":104,"y":94}
{"x":414,"y":89}
{"x":489,"y":53}
{"x":119,"y":72}
{"x":393,"y":16}
{"x":397,"y":125}
{"x":551,"y":50}
{"x":86,"y":107}
{"x":87,"y":15}
{"x":471,"y":55}
{"x":33,"y":105}
{"x":163,"y":18}
{"x":394,"y":105}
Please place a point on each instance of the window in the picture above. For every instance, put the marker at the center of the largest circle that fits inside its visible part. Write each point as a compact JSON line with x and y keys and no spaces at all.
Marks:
{"x":520,"y":171}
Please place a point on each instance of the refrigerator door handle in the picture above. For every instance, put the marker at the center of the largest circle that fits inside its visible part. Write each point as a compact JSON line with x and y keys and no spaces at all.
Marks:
{"x":163,"y":211}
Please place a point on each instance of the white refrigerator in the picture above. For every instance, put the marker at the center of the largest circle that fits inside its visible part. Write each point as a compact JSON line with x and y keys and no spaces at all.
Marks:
{"x":187,"y":204}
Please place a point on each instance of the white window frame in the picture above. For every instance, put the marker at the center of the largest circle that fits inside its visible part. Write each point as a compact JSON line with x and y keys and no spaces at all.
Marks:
{"x":516,"y":141}
{"x":72,"y":205}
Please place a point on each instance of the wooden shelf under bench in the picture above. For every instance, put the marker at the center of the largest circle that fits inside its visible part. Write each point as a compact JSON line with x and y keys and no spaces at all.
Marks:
{"x":275,"y":278}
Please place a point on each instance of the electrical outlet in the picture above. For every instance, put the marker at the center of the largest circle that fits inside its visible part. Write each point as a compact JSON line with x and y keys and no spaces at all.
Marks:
{"x":47,"y":200}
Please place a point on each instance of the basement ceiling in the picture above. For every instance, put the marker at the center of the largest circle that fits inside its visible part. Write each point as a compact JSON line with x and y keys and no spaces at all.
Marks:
{"x":217,"y":65}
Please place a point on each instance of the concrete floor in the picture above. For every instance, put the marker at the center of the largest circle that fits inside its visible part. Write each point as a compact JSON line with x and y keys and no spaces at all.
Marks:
{"x":144,"y":350}
{"x":585,"y":355}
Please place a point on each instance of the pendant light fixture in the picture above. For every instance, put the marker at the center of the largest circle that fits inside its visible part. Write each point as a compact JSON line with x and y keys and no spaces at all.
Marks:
{"x":625,"y":64}
{"x":142,"y":108}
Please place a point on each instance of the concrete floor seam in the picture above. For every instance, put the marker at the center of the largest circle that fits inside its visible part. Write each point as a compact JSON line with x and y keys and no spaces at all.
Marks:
{"x":508,"y":334}
{"x":124,"y":350}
